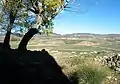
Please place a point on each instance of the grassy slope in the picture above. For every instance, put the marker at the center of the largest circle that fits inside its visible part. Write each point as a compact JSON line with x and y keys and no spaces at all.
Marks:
{"x":85,"y":68}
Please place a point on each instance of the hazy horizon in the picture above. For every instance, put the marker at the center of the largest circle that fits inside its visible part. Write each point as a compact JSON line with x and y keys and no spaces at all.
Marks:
{"x":87,"y":33}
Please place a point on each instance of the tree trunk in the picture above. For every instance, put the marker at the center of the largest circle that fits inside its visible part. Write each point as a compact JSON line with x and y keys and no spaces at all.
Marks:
{"x":23,"y":44}
{"x":7,"y":40}
{"x":6,"y":44}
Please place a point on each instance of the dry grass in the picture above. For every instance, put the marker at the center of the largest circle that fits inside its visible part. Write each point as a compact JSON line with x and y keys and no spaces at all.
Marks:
{"x":85,"y":69}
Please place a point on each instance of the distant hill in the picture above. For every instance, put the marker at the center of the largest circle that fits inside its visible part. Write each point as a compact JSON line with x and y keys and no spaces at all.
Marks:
{"x":77,"y":35}
{"x":87,"y":35}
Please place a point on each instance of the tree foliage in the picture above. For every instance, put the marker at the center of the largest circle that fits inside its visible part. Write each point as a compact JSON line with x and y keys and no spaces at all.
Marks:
{"x":42,"y":12}
{"x":11,"y":13}
{"x":19,"y":12}
{"x":19,"y":16}
{"x":15,"y":15}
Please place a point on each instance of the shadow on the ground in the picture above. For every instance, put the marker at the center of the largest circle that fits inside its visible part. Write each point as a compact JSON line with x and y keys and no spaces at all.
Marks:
{"x":74,"y":78}
{"x":22,"y":66}
{"x":30,"y":67}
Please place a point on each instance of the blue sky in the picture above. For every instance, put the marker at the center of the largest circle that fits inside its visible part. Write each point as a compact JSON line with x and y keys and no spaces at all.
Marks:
{"x":103,"y":17}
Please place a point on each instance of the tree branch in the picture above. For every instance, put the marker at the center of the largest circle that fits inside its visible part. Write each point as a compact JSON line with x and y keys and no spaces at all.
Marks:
{"x":31,"y":10}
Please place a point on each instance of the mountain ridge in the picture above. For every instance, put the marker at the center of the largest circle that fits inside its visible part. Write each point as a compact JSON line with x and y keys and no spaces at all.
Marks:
{"x":79,"y":35}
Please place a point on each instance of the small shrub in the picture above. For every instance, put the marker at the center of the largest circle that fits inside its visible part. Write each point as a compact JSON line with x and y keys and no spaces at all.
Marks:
{"x":89,"y":75}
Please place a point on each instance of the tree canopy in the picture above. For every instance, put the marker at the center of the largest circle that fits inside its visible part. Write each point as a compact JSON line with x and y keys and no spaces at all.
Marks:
{"x":18,"y":16}
{"x":24,"y":14}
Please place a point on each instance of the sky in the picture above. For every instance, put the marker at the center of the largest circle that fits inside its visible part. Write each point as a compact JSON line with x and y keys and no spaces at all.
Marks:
{"x":93,"y":16}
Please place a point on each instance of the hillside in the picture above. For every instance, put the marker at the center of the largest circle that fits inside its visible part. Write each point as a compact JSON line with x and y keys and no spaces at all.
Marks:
{"x":92,"y":35}
{"x":77,"y":35}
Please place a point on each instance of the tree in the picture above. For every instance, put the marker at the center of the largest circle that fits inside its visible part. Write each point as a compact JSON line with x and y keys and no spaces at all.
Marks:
{"x":45,"y":11}
{"x":9,"y":11}
{"x":16,"y":15}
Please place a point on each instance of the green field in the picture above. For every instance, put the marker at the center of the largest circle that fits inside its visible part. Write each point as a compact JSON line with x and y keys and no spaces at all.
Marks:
{"x":80,"y":59}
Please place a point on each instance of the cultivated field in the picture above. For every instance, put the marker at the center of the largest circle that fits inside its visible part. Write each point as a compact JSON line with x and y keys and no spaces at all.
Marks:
{"x":81,"y":59}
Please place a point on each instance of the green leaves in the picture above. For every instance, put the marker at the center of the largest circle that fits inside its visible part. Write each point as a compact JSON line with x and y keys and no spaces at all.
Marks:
{"x":49,"y":29}
{"x":9,"y":5}
{"x":45,"y":12}
{"x":46,"y":9}
{"x":54,"y":4}
{"x":1,"y":18}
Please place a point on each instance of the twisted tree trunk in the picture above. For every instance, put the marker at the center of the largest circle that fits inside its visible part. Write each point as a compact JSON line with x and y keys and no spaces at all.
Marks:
{"x":23,"y":44}
{"x":7,"y":40}
{"x":6,"y":45}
